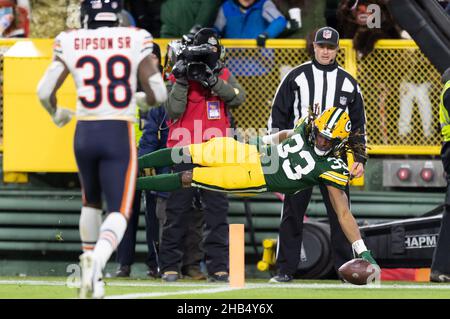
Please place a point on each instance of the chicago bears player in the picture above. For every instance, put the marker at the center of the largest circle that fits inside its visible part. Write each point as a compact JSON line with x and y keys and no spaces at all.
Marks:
{"x":286,"y":162}
{"x":105,"y":61}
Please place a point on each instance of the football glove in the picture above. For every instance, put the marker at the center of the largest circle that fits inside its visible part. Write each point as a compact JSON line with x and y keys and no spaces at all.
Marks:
{"x":210,"y":79}
{"x":179,"y":71}
{"x":62,"y":116}
{"x":367,"y":256}
{"x":141,"y":102}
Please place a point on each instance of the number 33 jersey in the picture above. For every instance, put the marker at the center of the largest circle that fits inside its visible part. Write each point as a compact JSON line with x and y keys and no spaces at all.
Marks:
{"x":293,"y":166}
{"x":104,"y":63}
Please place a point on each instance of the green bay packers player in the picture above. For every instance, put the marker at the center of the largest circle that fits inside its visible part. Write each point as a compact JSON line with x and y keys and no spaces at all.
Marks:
{"x":286,"y":162}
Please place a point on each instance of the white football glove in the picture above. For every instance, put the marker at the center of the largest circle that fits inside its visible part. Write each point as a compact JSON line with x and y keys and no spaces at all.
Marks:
{"x":62,"y":116}
{"x":141,"y":102}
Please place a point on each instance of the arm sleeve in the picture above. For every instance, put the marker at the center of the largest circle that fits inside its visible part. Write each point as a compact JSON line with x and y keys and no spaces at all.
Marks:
{"x":335,"y":177}
{"x":282,"y":106}
{"x":58,"y":46}
{"x":176,"y":102}
{"x":206,"y":13}
{"x":231,"y":92}
{"x":277,"y":21}
{"x":145,"y":44}
{"x":220,"y":22}
{"x":358,"y":120}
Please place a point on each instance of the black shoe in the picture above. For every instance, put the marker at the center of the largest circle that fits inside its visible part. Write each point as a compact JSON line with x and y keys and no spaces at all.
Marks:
{"x":194,"y":273}
{"x":123,"y":271}
{"x":220,"y":276}
{"x":170,"y":276}
{"x":281,"y":278}
{"x":153,"y":272}
{"x":439,"y":277}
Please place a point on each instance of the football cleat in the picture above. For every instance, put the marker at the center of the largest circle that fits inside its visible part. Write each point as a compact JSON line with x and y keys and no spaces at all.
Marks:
{"x":92,"y":285}
{"x":170,"y":276}
{"x":220,"y":276}
{"x":281,"y":278}
{"x":439,"y":277}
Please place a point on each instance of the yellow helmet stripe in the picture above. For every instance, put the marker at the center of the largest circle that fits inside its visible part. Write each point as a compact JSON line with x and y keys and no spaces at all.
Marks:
{"x":335,"y":117}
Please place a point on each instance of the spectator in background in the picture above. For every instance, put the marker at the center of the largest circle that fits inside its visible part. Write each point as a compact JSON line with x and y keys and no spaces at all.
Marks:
{"x":179,"y":16}
{"x":151,"y":132}
{"x":147,"y":14}
{"x":353,"y":24}
{"x":64,"y":14}
{"x":250,"y":19}
{"x":312,"y":16}
{"x":331,"y":13}
{"x":127,"y":19}
{"x":353,"y":21}
{"x":154,"y":137}
{"x":14,"y":18}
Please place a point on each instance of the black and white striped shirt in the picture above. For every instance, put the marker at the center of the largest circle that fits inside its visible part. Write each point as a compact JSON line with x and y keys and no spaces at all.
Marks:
{"x":313,"y":83}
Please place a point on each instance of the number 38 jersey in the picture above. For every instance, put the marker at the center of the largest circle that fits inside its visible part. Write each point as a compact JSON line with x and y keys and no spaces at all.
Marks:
{"x":293,"y":165}
{"x":104,"y":64}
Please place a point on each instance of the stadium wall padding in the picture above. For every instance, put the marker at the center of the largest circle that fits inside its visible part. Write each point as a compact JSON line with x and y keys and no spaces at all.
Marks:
{"x":419,"y":23}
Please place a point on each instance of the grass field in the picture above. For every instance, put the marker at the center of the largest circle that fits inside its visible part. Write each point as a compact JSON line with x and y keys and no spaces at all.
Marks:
{"x":57,"y":288}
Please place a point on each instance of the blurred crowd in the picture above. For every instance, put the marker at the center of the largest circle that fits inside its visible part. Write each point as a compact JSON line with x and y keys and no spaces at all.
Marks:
{"x":242,"y":19}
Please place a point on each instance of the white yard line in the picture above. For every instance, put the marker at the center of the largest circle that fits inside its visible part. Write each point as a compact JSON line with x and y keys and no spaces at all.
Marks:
{"x":348,"y":286}
{"x":247,"y":286}
{"x":164,"y":294}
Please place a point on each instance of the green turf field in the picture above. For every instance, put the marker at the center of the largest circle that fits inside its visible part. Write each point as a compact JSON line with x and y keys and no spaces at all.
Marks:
{"x":56,"y":287}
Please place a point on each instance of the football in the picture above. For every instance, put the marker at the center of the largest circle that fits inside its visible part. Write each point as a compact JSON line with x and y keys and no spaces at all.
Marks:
{"x":359,"y":272}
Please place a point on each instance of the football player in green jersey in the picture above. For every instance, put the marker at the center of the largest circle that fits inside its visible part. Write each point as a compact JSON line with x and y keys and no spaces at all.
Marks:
{"x":286,"y":162}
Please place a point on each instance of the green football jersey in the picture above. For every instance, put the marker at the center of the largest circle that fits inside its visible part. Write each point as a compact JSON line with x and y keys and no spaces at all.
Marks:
{"x":293,"y":165}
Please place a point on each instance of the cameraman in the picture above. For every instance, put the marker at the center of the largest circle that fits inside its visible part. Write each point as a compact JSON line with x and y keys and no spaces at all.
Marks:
{"x":202,"y":91}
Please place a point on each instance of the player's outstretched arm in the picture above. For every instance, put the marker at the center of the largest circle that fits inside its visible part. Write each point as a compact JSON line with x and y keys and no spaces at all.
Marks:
{"x":52,"y":80}
{"x":152,"y":82}
{"x":277,"y":138}
{"x":348,"y":223}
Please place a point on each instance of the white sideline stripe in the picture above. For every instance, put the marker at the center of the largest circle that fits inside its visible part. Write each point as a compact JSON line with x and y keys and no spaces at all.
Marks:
{"x":115,"y":284}
{"x":348,"y":286}
{"x":173,"y":293}
{"x":247,"y":286}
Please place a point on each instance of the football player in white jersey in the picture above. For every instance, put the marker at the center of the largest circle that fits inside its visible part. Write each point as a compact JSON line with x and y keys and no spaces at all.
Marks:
{"x":105,"y":61}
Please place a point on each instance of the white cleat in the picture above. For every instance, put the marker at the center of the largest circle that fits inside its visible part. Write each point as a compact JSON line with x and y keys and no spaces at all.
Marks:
{"x":92,"y":285}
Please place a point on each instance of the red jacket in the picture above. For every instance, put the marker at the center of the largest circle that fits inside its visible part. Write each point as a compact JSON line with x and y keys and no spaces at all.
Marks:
{"x":205,"y":116}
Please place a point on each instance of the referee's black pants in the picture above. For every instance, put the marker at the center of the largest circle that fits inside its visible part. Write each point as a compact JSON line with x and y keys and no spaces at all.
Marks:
{"x":441,"y":257}
{"x":291,"y":231}
{"x":215,"y":236}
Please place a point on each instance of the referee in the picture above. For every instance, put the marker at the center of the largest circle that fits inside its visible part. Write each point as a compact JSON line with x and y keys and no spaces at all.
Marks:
{"x":323,"y":83}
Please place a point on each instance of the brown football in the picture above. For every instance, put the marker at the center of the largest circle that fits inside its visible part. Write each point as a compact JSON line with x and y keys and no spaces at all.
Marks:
{"x":359,"y":272}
